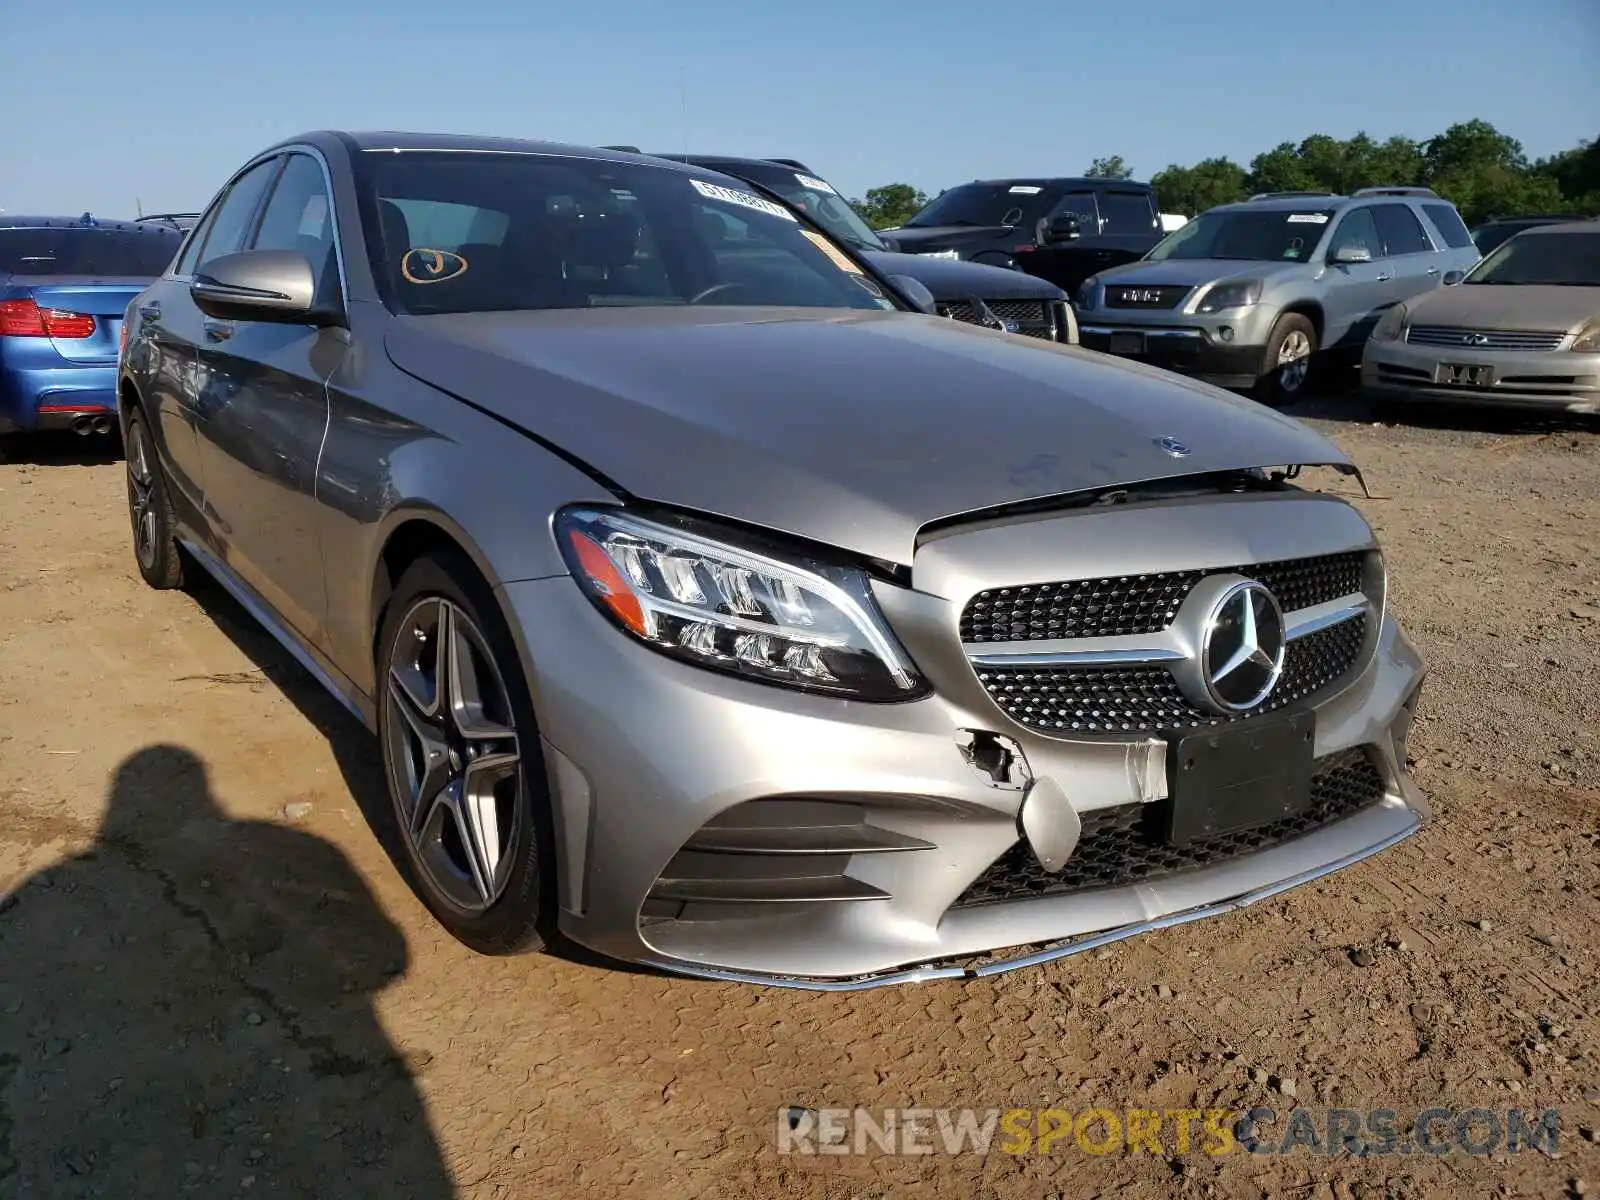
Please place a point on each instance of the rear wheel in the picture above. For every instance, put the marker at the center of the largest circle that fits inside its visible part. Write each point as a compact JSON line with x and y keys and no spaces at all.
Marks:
{"x":1286,"y":363}
{"x":155,"y":531}
{"x":461,"y":754}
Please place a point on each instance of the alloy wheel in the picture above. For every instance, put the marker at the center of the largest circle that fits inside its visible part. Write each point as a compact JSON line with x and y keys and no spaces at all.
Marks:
{"x":454,"y":761}
{"x":1294,"y":360}
{"x":141,"y":495}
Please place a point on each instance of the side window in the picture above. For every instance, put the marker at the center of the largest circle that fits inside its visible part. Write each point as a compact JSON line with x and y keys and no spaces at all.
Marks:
{"x":297,"y":216}
{"x":191,"y":249}
{"x":1127,"y":213}
{"x":232,"y":222}
{"x":1400,"y":230}
{"x":1080,"y":205}
{"x":1357,"y":228}
{"x":441,"y":225}
{"x":1449,"y":224}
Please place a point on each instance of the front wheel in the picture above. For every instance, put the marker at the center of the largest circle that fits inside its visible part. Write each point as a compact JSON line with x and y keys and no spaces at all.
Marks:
{"x":1286,"y":362}
{"x":461,"y":754}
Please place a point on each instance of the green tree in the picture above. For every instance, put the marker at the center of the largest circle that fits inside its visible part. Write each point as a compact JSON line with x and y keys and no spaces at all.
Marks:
{"x":1576,"y":173}
{"x":1485,"y":173}
{"x":1192,"y":190}
{"x":1109,"y":168}
{"x":890,"y":205}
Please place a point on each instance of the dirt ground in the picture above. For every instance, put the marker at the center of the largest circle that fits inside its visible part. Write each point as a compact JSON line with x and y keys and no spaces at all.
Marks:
{"x":213,"y":980}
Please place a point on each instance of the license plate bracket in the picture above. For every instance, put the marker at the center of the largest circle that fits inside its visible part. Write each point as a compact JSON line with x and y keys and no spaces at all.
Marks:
{"x":1479,"y":375}
{"x":1239,"y":777}
{"x":1126,"y":343}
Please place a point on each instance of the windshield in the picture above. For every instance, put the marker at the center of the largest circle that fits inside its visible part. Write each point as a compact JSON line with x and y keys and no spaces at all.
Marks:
{"x":482,"y":232}
{"x":985,"y":204}
{"x":1277,"y":235}
{"x":144,"y":253}
{"x":1561,"y":259}
{"x":819,"y":201}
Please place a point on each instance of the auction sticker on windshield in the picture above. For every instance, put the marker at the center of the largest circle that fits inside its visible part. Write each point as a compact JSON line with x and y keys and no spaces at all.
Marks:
{"x":1308,"y":218}
{"x":714,"y":191}
{"x":815,"y":184}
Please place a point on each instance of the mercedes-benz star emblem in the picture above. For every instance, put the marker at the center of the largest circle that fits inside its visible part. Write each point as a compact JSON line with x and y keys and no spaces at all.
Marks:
{"x":1173,"y":447}
{"x":1241,"y":657}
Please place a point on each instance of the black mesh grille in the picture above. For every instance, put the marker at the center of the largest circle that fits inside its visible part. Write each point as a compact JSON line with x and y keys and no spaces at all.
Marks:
{"x":1067,"y":700}
{"x":1124,"y":845}
{"x":1032,"y":315}
{"x":1129,"y":605}
{"x":1141,"y":296}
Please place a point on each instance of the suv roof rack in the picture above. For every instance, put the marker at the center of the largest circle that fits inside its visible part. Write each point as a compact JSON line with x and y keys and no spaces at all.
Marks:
{"x":1287,"y":195}
{"x":1425,"y":192}
{"x":623,"y":149}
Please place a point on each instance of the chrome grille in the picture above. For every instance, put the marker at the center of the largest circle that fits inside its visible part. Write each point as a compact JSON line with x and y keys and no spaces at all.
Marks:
{"x":1032,"y":315}
{"x":1129,"y":605}
{"x":1124,"y":845}
{"x":1066,"y":700}
{"x":1448,"y":336}
{"x":1135,"y":295}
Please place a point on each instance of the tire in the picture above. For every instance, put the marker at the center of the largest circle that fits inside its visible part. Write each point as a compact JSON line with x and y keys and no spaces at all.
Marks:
{"x":155,"y":530}
{"x":492,"y":889}
{"x":1281,"y":380}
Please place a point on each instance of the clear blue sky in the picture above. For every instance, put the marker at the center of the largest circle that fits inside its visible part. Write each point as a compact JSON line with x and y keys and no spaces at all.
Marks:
{"x":108,"y":100}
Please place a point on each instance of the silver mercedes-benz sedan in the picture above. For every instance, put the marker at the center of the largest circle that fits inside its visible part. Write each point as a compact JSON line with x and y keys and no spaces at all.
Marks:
{"x":716,"y":609}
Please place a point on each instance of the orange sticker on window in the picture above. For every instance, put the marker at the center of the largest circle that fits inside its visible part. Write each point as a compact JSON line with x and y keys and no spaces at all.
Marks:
{"x":835,"y":255}
{"x":421,"y":265}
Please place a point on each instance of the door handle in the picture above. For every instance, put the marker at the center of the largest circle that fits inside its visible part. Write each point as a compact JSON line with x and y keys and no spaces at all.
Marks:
{"x":1385,"y":277}
{"x":1433,"y":270}
{"x":218,"y":331}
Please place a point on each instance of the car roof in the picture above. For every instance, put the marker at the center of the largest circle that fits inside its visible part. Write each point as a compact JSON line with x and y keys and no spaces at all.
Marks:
{"x":1590,"y":225}
{"x":378,"y":140}
{"x":19,"y":221}
{"x":1099,"y":183}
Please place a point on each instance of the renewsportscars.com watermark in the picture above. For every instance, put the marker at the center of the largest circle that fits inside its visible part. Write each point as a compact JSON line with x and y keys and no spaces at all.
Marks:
{"x":1166,"y":1131}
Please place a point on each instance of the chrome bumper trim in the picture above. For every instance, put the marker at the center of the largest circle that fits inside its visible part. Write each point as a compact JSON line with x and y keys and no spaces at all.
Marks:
{"x":929,"y":972}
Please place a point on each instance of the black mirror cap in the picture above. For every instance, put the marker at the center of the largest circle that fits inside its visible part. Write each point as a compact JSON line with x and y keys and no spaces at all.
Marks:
{"x":917,"y":293}
{"x":260,"y":285}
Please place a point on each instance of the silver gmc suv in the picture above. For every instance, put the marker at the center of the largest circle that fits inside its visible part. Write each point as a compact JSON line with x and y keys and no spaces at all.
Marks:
{"x":1245,"y":295}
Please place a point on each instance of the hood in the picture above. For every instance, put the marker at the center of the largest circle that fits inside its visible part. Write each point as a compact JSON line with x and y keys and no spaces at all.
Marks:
{"x":934,"y":237}
{"x":1192,"y":272}
{"x":1525,"y":306}
{"x":850,"y":428}
{"x":955,"y":280}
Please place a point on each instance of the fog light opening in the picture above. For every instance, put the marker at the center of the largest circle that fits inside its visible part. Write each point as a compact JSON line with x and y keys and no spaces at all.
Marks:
{"x":1226,"y":333}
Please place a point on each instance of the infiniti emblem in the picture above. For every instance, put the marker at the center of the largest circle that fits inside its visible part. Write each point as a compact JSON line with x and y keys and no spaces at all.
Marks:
{"x":1475,"y":339}
{"x":1173,"y":447}
{"x":1241,"y":656}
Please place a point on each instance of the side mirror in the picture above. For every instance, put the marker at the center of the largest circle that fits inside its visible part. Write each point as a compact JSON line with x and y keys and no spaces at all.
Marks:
{"x":917,"y":292}
{"x":1064,"y":228}
{"x":1451,"y":278}
{"x":259,"y":285}
{"x":1349,"y":255}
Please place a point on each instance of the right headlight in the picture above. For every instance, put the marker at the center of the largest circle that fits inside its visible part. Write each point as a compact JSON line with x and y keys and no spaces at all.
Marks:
{"x":1087,"y":292}
{"x":1234,"y":293}
{"x":1588,"y":339}
{"x":791,"y":621}
{"x":1391,"y":325}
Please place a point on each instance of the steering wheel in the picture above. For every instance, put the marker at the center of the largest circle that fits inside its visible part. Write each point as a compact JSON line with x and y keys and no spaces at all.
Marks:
{"x":701,"y":297}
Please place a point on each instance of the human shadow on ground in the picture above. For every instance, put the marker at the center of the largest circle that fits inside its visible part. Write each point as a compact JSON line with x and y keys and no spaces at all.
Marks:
{"x":187,"y":1007}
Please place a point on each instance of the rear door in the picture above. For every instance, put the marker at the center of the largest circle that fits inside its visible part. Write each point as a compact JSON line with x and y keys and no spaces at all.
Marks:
{"x":175,"y":328}
{"x":264,"y":409}
{"x":1417,"y":265}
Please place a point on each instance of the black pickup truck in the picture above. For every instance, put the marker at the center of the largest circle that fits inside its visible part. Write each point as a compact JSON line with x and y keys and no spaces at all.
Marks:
{"x":1062,"y":230}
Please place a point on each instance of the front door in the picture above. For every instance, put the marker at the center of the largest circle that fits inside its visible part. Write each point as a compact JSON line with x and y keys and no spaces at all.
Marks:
{"x":1356,"y":293}
{"x":264,"y":411}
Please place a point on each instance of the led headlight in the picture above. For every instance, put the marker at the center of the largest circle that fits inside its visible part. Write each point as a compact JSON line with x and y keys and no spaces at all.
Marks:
{"x":956,"y":254}
{"x":794,"y":622}
{"x":1235,"y":293}
{"x":1391,"y":325}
